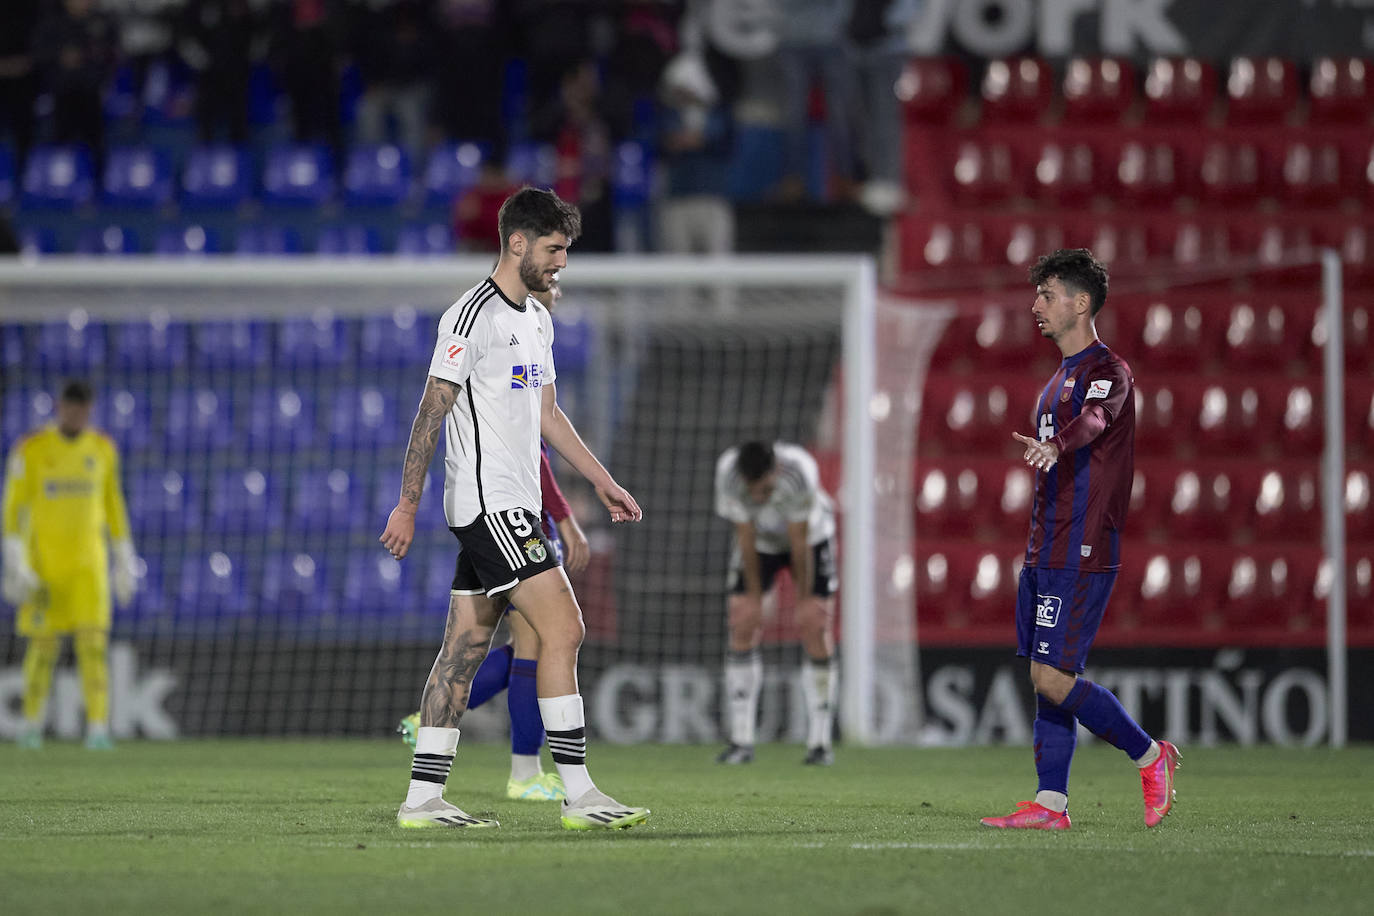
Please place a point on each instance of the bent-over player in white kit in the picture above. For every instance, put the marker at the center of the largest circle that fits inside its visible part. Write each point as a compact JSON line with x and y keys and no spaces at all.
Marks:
{"x":783,"y":519}
{"x":491,"y":387}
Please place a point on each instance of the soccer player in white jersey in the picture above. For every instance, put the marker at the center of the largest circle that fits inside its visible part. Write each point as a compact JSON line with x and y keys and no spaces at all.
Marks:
{"x":491,"y":387}
{"x":783,"y":519}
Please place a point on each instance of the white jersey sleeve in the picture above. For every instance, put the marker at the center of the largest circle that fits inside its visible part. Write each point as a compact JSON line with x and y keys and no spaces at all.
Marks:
{"x":546,"y":331}
{"x":729,"y":505}
{"x":454,"y":354}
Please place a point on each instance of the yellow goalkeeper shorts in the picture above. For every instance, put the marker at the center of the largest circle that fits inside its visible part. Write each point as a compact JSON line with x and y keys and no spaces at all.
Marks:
{"x":78,"y":601}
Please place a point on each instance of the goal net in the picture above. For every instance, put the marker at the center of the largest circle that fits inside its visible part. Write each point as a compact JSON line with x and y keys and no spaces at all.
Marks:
{"x":262,"y":411}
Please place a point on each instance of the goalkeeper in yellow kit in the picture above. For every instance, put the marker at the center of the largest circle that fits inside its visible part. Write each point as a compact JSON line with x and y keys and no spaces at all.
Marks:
{"x":62,"y":497}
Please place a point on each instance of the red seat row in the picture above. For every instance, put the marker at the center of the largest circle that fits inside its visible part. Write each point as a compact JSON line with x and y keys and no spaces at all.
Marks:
{"x":1091,"y":90}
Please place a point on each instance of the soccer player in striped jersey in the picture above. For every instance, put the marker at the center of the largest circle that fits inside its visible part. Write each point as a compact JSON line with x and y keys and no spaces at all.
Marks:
{"x":1083,"y":458}
{"x":514,"y":666}
{"x":62,"y":502}
{"x":783,"y":520}
{"x":491,"y":388}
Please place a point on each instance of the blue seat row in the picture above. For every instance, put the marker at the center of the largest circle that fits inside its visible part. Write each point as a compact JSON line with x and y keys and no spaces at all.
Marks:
{"x":416,"y":240}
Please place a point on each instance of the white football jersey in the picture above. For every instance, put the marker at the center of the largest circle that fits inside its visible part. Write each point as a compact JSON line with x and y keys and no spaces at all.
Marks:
{"x":501,"y":353}
{"x":797,"y":497}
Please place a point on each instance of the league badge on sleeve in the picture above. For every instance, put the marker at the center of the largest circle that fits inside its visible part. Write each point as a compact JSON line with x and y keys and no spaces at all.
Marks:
{"x":453,"y":353}
{"x":1098,"y":389}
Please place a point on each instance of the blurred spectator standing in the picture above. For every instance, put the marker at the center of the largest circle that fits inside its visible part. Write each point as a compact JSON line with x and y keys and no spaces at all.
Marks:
{"x":393,"y":47}
{"x":76,"y":49}
{"x":18,"y":73}
{"x":219,"y":41}
{"x":476,"y":209}
{"x":308,"y":58}
{"x":573,"y":121}
{"x":469,"y":69}
{"x":878,"y":31}
{"x":147,"y":30}
{"x":813,"y":44}
{"x":694,"y":142}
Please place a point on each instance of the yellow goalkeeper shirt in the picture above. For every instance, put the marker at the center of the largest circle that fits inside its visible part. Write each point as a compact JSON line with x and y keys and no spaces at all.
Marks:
{"x":61,"y":495}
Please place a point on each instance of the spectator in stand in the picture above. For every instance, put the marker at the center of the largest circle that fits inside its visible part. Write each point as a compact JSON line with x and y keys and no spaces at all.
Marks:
{"x":812,"y":43}
{"x":469,"y":71}
{"x":76,"y":50}
{"x":877,"y":29}
{"x":18,"y":74}
{"x":694,"y":141}
{"x":146,"y":30}
{"x":308,"y":58}
{"x":476,"y":211}
{"x":395,"y":55}
{"x":573,"y":121}
{"x":219,"y":41}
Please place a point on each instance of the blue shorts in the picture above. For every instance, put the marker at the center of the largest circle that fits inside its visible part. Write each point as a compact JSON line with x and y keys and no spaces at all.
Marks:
{"x":1058,"y":612}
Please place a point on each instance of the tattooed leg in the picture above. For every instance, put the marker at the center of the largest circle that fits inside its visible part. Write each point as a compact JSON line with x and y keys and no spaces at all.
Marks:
{"x":471,"y":622}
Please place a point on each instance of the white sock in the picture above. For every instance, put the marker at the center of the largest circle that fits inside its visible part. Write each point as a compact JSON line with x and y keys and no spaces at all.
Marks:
{"x":97,"y":729}
{"x":434,"y":751}
{"x":743,"y":681}
{"x":818,"y":687}
{"x":1055,"y":801}
{"x":566,"y":727}
{"x":524,"y":766}
{"x":1149,"y":756}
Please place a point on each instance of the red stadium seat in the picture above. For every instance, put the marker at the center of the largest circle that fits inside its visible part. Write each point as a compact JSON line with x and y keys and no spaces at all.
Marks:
{"x":985,"y":172}
{"x":1197,"y":243}
{"x":1231,"y":173}
{"x":1173,"y":336}
{"x":1261,"y":90}
{"x":1271,"y":588}
{"x":1258,"y":336}
{"x":942,"y":243}
{"x":1359,"y":416}
{"x":1311,"y":173}
{"x":1178,"y":588}
{"x":1357,"y":336}
{"x":1016,"y":90}
{"x":1027,"y":239}
{"x":962,"y":585}
{"x":1298,"y":428}
{"x":1359,"y":504}
{"x":1065,"y":174}
{"x":1359,"y":591}
{"x":1150,"y":172}
{"x":991,"y":590}
{"x":1097,"y":90}
{"x":1164,"y":409}
{"x":976,"y":419}
{"x":931,"y":89}
{"x":1339,"y":91}
{"x":947,"y":500}
{"x":1228,"y":420}
{"x":1013,"y":488}
{"x":938,"y":589}
{"x":1287,"y":505}
{"x":1200,"y":504}
{"x":1118,"y":243}
{"x":1179,"y":90}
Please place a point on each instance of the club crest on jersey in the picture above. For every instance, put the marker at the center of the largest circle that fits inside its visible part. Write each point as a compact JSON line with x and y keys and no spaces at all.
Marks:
{"x":1047,"y":610}
{"x":534,"y":549}
{"x":1067,"y":391}
{"x":531,"y":376}
{"x":1098,"y":389}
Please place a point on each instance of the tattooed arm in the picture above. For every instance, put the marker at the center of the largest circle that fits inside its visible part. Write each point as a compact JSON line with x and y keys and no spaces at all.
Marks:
{"x":435,"y":404}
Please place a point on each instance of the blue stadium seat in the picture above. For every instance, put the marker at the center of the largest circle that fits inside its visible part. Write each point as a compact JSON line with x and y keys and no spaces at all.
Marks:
{"x":211,"y":584}
{"x":431,"y":514}
{"x":198,"y":420}
{"x":137,"y":176}
{"x":632,"y":175}
{"x":267,"y":240}
{"x":24,"y":411}
{"x":430,"y":240}
{"x":154,"y":343}
{"x":439,"y":566}
{"x":297,"y":175}
{"x":322,"y":339}
{"x":376,"y":176}
{"x":150,"y":601}
{"x":572,"y":341}
{"x":58,"y":177}
{"x":127,"y":416}
{"x":245,"y":501}
{"x":231,"y":344}
{"x":6,"y":176}
{"x":365,"y":418}
{"x":533,"y":164}
{"x":375,"y":585}
{"x":163,"y":503}
{"x":294,"y":582}
{"x":401,"y":338}
{"x":216,"y":177}
{"x":167,"y":93}
{"x":350,"y":241}
{"x":35,"y":241}
{"x":121,"y":97}
{"x":263,"y":96}
{"x":110,"y":240}
{"x":186,"y":241}
{"x":452,"y":169}
{"x":330,"y":500}
{"x":13,"y":346}
{"x":280,"y":420}
{"x":66,"y":347}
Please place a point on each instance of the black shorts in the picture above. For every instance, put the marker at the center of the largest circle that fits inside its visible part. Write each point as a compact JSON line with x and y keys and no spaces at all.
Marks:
{"x":823,"y":585}
{"x":500,"y":549}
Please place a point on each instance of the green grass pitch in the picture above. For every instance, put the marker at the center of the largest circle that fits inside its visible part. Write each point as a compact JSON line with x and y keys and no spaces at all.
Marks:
{"x":308,"y":827}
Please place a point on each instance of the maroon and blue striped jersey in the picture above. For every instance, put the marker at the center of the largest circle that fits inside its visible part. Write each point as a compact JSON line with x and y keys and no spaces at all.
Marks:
{"x":1080,"y":503}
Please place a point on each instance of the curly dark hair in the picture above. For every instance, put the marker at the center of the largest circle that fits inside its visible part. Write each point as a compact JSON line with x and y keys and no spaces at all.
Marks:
{"x":76,"y":391}
{"x":1078,"y":270}
{"x":755,"y":459}
{"x":535,"y":213}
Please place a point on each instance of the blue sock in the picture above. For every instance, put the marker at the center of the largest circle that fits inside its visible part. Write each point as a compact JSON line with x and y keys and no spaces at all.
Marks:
{"x":1102,"y":714}
{"x":491,"y":677}
{"x":526,"y":725}
{"x":1055,"y":736}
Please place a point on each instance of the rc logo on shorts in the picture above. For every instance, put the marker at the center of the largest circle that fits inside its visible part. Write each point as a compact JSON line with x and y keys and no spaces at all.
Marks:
{"x":1047,"y":610}
{"x":534,"y":549}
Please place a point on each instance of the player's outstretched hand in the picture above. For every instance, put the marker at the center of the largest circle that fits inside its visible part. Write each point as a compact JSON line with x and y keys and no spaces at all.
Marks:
{"x":577,"y":553}
{"x":622,"y":505}
{"x":400,"y":531}
{"x":1039,"y":455}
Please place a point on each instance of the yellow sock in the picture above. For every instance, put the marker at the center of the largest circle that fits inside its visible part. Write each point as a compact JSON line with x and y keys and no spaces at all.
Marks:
{"x":39,"y":660}
{"x":91,"y":646}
